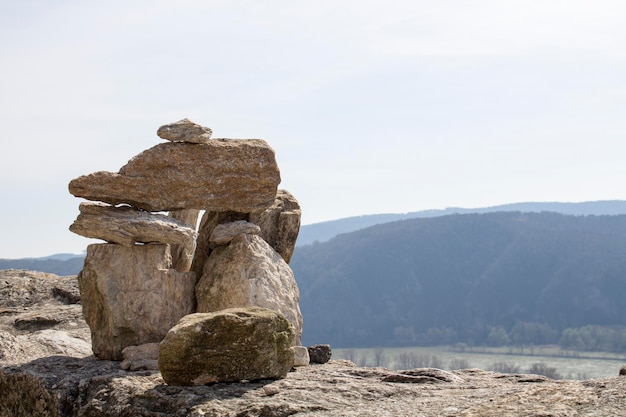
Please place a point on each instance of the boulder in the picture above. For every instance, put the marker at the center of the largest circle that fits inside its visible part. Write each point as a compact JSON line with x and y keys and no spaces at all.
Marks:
{"x":126,"y":225}
{"x":225,"y":232}
{"x":320,"y":353}
{"x":185,"y":131}
{"x":131,"y":296}
{"x":280,"y":223}
{"x":209,"y":221}
{"x":249,"y":272}
{"x":227,"y":346}
{"x":220,"y":175}
{"x":182,"y":254}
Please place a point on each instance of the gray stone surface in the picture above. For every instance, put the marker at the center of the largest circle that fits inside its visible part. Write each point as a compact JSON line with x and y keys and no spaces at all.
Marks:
{"x":249,"y":272}
{"x":232,"y":345}
{"x":220,"y":175}
{"x":132,"y":296}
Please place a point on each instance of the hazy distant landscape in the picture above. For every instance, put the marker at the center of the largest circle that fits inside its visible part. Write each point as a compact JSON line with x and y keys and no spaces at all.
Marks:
{"x":324,"y":231}
{"x":480,"y":279}
{"x":487,"y":277}
{"x":544,"y":360}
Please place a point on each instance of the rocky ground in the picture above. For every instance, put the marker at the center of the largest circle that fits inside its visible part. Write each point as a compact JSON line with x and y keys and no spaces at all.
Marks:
{"x":46,"y":369}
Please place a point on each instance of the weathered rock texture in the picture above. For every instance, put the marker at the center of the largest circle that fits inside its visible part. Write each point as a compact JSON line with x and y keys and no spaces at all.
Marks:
{"x":127,"y":226}
{"x":185,"y":131}
{"x":249,"y":272}
{"x":63,"y":386}
{"x":36,"y":380}
{"x":132,"y":296}
{"x":140,"y":357}
{"x":229,"y":345}
{"x":209,"y":222}
{"x":225,"y":232}
{"x":182,"y":255}
{"x":40,"y":316}
{"x":279,"y":223}
{"x":220,"y":175}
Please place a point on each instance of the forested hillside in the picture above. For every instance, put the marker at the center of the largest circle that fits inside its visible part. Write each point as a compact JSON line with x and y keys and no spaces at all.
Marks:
{"x":497,"y":278}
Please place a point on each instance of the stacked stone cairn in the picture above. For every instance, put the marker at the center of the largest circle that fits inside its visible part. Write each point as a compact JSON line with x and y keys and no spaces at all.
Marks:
{"x":209,"y":304}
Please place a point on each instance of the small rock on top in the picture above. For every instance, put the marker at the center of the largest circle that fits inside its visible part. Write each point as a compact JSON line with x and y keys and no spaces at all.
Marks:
{"x":185,"y":131}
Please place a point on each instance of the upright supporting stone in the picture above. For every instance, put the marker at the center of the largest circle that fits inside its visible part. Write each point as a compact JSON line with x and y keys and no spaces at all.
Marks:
{"x":209,"y":222}
{"x":131,"y":296}
{"x":280,"y":223}
{"x":182,"y":255}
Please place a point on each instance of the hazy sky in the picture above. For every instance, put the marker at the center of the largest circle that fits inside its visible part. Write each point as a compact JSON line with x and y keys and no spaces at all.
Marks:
{"x":371,"y":106}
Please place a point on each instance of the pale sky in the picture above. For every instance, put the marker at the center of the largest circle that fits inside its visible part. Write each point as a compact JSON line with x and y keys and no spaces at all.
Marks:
{"x":371,"y":106}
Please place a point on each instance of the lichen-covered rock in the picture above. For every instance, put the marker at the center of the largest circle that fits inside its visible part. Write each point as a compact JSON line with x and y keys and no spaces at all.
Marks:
{"x":132,"y":296}
{"x":249,"y":272}
{"x":126,"y":225}
{"x":220,"y":175}
{"x":227,"y":346}
{"x":185,"y":131}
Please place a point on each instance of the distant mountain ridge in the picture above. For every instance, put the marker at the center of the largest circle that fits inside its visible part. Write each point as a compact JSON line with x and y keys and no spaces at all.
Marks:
{"x":62,"y":264}
{"x":324,"y":231}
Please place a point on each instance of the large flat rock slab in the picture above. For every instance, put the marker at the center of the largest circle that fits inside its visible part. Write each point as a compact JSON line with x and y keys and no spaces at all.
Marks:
{"x":220,"y":175}
{"x":127,"y":226}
